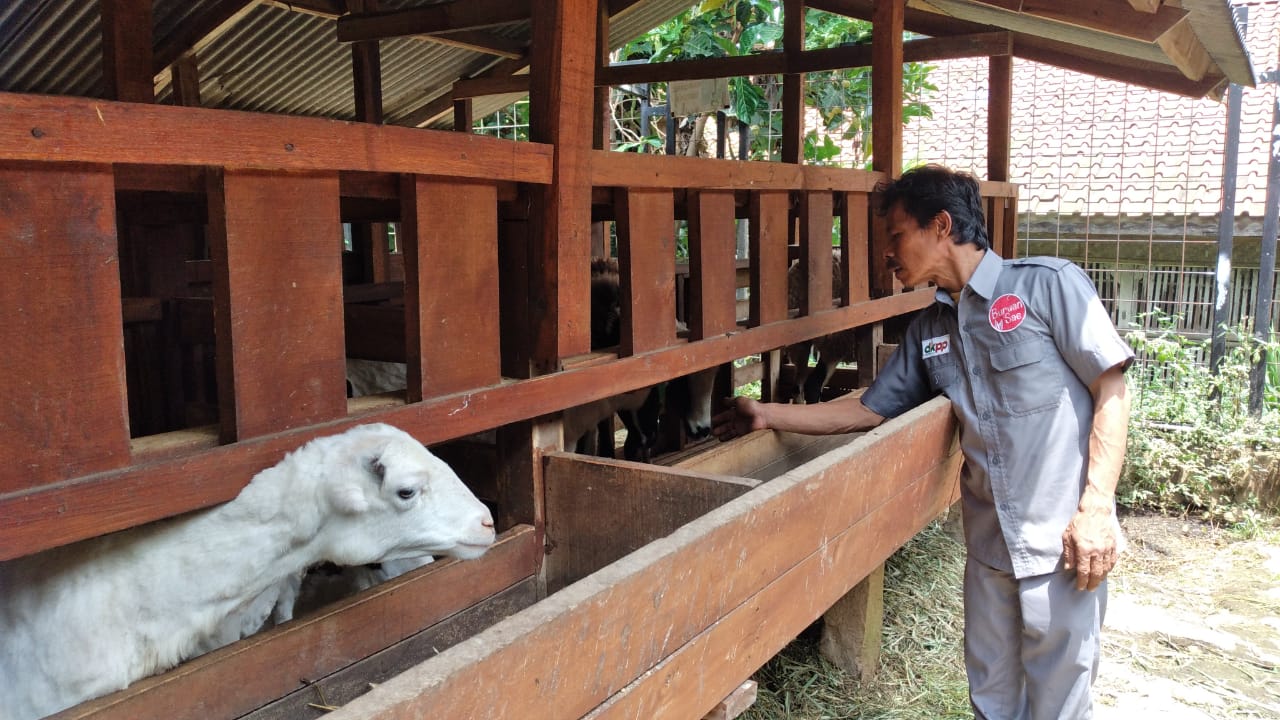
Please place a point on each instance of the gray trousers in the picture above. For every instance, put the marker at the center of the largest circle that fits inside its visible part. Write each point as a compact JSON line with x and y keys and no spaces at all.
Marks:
{"x":1031,"y":646}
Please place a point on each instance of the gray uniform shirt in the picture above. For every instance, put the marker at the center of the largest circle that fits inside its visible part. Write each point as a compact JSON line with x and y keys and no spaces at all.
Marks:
{"x":1016,"y":356}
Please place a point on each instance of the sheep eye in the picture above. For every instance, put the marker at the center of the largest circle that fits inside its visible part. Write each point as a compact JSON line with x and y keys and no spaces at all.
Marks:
{"x":406,"y":493}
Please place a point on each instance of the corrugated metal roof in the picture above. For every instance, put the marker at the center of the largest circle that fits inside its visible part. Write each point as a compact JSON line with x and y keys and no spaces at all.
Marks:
{"x":281,"y":61}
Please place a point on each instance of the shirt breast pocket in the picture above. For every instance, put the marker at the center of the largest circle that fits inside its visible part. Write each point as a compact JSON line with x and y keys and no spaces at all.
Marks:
{"x":1025,"y":380}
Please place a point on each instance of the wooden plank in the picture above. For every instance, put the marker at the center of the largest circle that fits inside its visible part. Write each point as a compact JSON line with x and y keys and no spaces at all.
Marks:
{"x":954,"y":47}
{"x":815,"y":251}
{"x":50,"y":128}
{"x":126,"y":50}
{"x":277,"y":300}
{"x":463,"y":115}
{"x":1011,"y":228}
{"x":827,"y":522}
{"x":995,"y":224}
{"x":647,"y":264}
{"x":441,"y":17}
{"x":851,"y":629}
{"x":1182,"y":46}
{"x":351,"y":682}
{"x":712,"y":243}
{"x":614,"y":169}
{"x":734,"y":705}
{"x":482,"y":86}
{"x":762,"y":63}
{"x":62,"y":368}
{"x":600,"y":509}
{"x":96,"y":504}
{"x":1147,"y":6}
{"x":265,"y":666}
{"x":1108,"y":16}
{"x":886,"y":86}
{"x":855,"y":248}
{"x":999,"y":116}
{"x":561,"y":112}
{"x":767,"y":239}
{"x":479,"y":41}
{"x":732,"y":648}
{"x":450,"y":232}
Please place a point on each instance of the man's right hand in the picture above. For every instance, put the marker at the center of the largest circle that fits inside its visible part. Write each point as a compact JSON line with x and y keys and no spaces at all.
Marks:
{"x":744,"y":415}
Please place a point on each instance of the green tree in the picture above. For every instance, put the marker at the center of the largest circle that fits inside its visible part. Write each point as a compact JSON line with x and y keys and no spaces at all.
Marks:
{"x":842,"y":98}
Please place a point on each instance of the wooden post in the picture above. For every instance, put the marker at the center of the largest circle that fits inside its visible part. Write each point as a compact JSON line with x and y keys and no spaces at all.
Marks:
{"x":886,"y":85}
{"x":185,"y":75}
{"x":767,"y":247}
{"x":793,"y":82}
{"x":463,"y":115}
{"x":562,"y":94}
{"x":126,"y":50}
{"x":647,"y":263}
{"x":999,"y":116}
{"x":711,"y":248}
{"x":369,"y":239}
{"x":602,"y":118}
{"x":851,"y":630}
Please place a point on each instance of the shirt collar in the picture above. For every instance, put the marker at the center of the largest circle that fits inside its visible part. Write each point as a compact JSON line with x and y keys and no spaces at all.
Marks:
{"x":983,"y":280}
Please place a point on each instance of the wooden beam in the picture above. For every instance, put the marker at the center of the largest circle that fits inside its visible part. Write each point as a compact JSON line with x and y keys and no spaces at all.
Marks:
{"x":196,"y":33}
{"x":126,"y":50}
{"x":482,"y":86}
{"x":49,"y":128}
{"x":1185,"y":50}
{"x":444,"y":17}
{"x":646,"y":261}
{"x":438,"y":106}
{"x":612,"y":169}
{"x":1108,"y":16}
{"x":999,"y":116}
{"x":764,"y":63}
{"x":886,"y":86}
{"x":479,"y":41}
{"x":561,"y":98}
{"x":330,"y":9}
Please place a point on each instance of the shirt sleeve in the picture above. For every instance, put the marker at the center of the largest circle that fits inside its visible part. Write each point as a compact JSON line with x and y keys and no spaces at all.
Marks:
{"x":1082,"y":328}
{"x":902,"y":383}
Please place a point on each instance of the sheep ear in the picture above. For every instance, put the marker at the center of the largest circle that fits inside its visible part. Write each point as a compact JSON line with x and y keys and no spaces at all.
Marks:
{"x":377,"y":469}
{"x":349,"y":499}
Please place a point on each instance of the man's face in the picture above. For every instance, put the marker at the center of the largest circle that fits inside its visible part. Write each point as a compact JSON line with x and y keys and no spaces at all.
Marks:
{"x":914,"y":253}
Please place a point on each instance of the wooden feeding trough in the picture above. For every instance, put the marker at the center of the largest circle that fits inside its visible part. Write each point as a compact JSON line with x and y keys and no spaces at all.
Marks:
{"x":674,"y":583}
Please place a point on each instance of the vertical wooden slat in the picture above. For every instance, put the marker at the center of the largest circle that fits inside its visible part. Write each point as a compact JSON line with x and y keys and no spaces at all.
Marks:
{"x":1010,"y":228}
{"x":126,"y":50}
{"x":451,"y":287}
{"x":602,"y":118}
{"x":883,"y":282}
{"x":999,"y":116}
{"x":185,"y":75}
{"x":712,"y":241}
{"x":995,"y":224}
{"x":463,"y":115}
{"x":793,"y":82}
{"x":815,"y":250}
{"x":62,"y":374}
{"x":647,"y":262}
{"x":854,"y":248}
{"x":561,"y":102}
{"x":886,"y":86}
{"x":767,"y":241}
{"x":513,"y":288}
{"x":277,"y":259}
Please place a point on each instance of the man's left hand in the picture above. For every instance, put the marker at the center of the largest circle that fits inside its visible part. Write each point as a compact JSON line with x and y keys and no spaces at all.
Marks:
{"x":1090,"y":544}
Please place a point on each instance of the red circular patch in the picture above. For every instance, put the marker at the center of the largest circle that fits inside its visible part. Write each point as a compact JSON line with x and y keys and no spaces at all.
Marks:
{"x":1007,"y":313}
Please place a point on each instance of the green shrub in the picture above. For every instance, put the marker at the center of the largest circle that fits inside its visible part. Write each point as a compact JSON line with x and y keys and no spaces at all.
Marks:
{"x":1193,"y":445}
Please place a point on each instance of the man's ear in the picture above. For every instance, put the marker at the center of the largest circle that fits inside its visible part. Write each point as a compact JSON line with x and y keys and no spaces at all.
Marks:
{"x":943,"y":221}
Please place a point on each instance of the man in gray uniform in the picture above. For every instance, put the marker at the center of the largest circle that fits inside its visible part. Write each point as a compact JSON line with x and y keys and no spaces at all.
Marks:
{"x":1034,"y":370}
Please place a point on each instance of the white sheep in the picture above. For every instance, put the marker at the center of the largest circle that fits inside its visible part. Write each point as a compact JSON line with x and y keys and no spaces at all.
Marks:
{"x":87,"y":619}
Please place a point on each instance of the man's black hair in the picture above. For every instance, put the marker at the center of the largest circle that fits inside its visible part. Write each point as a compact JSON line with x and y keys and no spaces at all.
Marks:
{"x":927,"y":190}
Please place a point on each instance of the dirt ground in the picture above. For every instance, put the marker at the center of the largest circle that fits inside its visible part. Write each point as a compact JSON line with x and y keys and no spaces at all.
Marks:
{"x":1193,"y":625}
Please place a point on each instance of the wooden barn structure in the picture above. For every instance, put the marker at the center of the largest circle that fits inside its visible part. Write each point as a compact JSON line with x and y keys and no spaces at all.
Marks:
{"x":177,"y":309}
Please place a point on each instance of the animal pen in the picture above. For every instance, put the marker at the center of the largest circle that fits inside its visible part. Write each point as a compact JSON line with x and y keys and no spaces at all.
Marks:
{"x":178,"y":309}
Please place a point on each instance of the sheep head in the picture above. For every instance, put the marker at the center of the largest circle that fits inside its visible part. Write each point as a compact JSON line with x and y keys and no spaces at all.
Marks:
{"x":391,"y":499}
